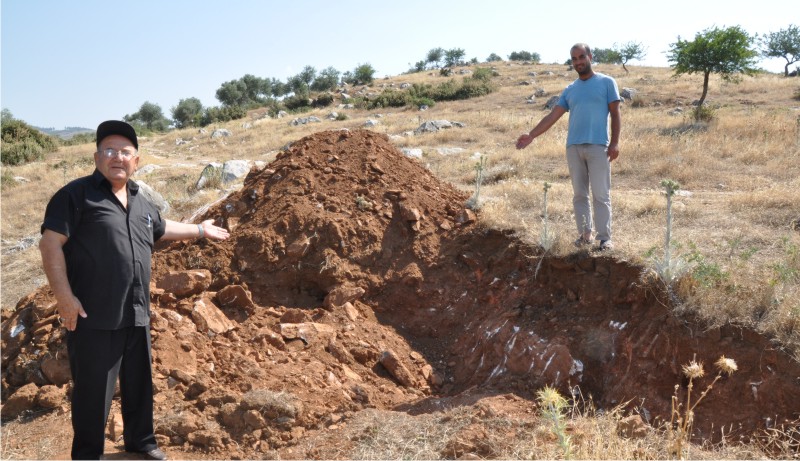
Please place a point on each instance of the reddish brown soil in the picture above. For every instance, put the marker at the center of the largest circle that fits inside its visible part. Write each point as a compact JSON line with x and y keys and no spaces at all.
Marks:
{"x":354,"y":279}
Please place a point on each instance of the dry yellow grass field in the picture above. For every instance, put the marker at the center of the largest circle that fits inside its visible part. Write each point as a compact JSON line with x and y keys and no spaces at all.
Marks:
{"x":733,"y":220}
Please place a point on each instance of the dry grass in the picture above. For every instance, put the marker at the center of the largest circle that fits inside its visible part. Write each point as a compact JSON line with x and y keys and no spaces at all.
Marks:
{"x":481,"y":434}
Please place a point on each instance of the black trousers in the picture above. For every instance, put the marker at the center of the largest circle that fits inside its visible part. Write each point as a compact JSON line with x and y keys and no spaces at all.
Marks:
{"x":96,"y":359}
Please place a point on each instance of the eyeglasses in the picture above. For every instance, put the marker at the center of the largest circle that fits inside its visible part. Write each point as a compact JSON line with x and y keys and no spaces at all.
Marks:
{"x":125,"y":153}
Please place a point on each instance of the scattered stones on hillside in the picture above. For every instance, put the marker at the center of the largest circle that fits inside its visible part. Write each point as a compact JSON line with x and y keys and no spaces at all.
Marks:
{"x":221,"y":133}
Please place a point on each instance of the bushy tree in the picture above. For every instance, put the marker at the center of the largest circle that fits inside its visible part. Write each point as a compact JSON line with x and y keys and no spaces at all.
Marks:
{"x":493,"y":57}
{"x":188,"y":112}
{"x":630,"y":51}
{"x":297,"y":85}
{"x":248,"y":91}
{"x":327,"y":80}
{"x":278,"y":88}
{"x":435,"y":57}
{"x":307,"y":75}
{"x":524,"y":56}
{"x":606,"y":56}
{"x":454,"y":57}
{"x":418,"y":66}
{"x":727,"y":52}
{"x":256,"y":89}
{"x":363,"y":74}
{"x":784,"y":43}
{"x":149,"y":116}
{"x":232,"y":93}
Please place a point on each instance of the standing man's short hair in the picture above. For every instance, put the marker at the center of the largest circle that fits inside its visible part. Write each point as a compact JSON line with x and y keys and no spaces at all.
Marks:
{"x":584,"y":46}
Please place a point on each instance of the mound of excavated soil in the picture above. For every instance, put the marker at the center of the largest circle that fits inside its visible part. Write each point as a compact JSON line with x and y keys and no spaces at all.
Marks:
{"x":354,"y":279}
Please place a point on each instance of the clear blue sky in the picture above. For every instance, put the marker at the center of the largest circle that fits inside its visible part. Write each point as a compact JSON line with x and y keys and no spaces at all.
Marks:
{"x":79,"y":62}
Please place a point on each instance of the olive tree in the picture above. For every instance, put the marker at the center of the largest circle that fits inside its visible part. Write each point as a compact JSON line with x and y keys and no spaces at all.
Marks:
{"x":454,"y":57}
{"x":327,"y":80}
{"x":727,"y":52}
{"x":630,"y":51}
{"x":188,"y":112}
{"x":435,"y":57}
{"x":149,"y":116}
{"x":784,"y":43}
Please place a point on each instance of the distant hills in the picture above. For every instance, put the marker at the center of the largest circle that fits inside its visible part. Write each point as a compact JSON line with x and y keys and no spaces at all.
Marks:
{"x":66,"y":133}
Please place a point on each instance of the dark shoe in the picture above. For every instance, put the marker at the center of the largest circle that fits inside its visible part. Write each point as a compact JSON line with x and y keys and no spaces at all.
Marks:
{"x":582,"y":242}
{"x":155,"y":453}
{"x":606,"y":245}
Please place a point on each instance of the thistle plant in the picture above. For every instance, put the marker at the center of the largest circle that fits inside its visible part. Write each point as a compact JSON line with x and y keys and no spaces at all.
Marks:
{"x":552,"y":405}
{"x":680,"y":427}
{"x":546,"y":239}
{"x":472,"y":203}
{"x":670,"y":269}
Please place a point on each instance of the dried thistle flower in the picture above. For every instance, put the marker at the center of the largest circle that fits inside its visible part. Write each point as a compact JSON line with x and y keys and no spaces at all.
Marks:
{"x":726,"y":365}
{"x":694,"y":370}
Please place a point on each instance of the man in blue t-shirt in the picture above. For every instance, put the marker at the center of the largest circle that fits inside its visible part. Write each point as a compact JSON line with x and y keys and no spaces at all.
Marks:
{"x":590,"y":100}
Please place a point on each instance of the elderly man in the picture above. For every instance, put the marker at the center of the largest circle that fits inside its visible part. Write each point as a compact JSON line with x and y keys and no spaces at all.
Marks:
{"x":97,"y":239}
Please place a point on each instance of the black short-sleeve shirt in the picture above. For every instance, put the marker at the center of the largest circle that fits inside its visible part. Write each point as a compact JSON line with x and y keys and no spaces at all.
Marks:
{"x":108,"y":250}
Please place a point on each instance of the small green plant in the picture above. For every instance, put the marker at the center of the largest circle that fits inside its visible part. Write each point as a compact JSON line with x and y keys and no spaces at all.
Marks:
{"x":680,"y":428}
{"x":546,"y":239}
{"x":552,"y":406}
{"x":211,"y":177}
{"x":363,"y":203}
{"x":473,"y":202}
{"x":706,"y":273}
{"x":703,"y":113}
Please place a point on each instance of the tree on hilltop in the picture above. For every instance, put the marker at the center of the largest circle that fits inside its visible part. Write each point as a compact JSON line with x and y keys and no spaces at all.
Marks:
{"x":785,"y":44}
{"x":606,"y":56}
{"x":630,"y":51}
{"x":435,"y":57}
{"x":149,"y":116}
{"x":727,"y":52}
{"x":524,"y":56}
{"x":454,"y":57}
{"x":188,"y":112}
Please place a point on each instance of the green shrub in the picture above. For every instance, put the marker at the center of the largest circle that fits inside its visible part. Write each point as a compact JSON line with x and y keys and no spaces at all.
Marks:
{"x":222,"y":114}
{"x":703,"y":113}
{"x":23,"y":143}
{"x":388,"y":98}
{"x":323,"y":100}
{"x":296,"y":102}
{"x":484,"y":74}
{"x":22,"y":152}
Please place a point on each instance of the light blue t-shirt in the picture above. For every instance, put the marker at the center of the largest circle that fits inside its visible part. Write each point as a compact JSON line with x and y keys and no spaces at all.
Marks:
{"x":587,"y":103}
